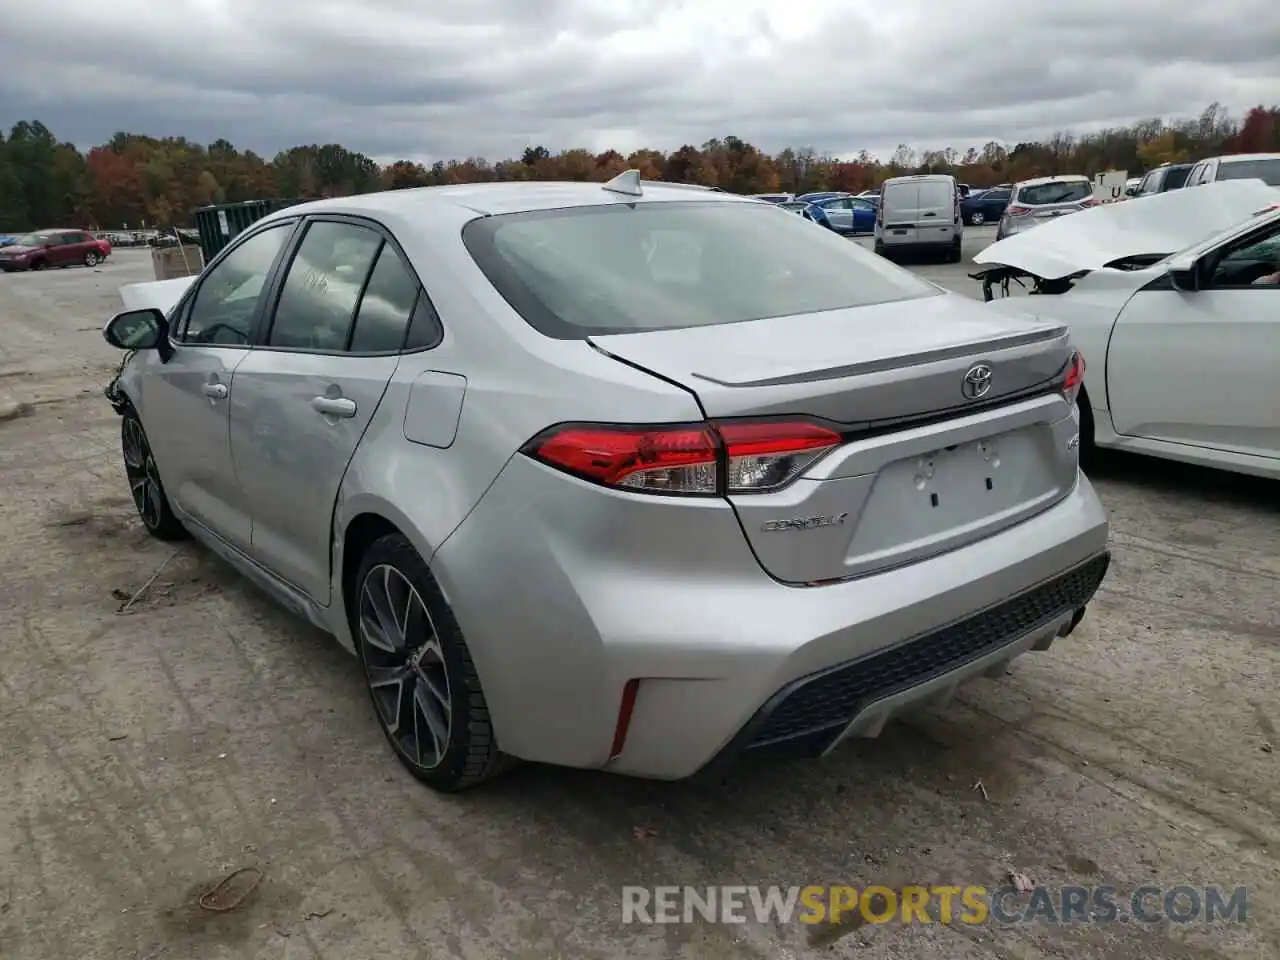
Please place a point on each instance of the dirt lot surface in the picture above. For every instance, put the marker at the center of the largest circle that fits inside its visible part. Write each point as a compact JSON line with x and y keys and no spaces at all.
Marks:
{"x":149,"y":752}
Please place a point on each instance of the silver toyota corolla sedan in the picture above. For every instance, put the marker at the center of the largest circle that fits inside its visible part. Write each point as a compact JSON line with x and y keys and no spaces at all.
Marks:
{"x":628,"y":476}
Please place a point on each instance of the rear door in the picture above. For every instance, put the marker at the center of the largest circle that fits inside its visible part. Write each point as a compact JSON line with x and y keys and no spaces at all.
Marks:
{"x":839,"y":213}
{"x":936,"y":218}
{"x":901,"y":206}
{"x":303,"y":397}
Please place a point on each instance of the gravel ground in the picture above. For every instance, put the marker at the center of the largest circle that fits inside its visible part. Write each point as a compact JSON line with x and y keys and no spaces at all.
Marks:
{"x":146,"y":754}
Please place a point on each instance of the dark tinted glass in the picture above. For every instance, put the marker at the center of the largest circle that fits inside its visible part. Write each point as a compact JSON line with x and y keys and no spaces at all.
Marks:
{"x":386,"y":305}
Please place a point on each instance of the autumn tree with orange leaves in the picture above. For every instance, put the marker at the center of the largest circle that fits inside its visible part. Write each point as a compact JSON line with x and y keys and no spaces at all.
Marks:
{"x":134,"y":180}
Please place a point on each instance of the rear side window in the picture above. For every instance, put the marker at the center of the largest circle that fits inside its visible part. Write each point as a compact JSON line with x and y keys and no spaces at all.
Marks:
{"x":621,"y":268}
{"x":318,"y":300}
{"x":1070,"y":191}
{"x":1268,"y":171}
{"x":1176,"y":177}
{"x":385,"y":308}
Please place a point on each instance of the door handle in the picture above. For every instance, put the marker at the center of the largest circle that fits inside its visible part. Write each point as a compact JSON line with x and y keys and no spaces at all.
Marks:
{"x":215,"y":391}
{"x":334,"y":406}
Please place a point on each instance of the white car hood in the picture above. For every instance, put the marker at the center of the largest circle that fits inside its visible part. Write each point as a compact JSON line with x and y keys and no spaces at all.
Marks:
{"x":161,"y":294}
{"x":1163,"y":223}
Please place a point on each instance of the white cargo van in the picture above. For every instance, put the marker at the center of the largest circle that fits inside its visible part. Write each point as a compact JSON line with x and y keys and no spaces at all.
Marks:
{"x":920,"y":213}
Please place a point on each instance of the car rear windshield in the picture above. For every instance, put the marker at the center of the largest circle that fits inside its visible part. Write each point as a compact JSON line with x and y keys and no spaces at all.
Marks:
{"x":630,"y":268}
{"x":1070,"y":191}
{"x":1268,"y":171}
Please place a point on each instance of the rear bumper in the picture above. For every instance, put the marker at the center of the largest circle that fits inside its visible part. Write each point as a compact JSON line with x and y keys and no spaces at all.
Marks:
{"x":566,"y":592}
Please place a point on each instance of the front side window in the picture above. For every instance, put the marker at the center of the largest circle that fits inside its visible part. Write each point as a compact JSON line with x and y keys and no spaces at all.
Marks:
{"x":318,"y":300}
{"x":1253,"y":260}
{"x":224,"y":306}
{"x":582,"y":271}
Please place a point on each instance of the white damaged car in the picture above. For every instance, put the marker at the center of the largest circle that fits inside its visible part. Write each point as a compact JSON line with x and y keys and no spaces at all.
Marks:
{"x":1175,"y":304}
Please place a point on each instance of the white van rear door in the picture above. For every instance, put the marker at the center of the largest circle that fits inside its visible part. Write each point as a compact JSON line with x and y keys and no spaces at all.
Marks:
{"x":901,"y":207}
{"x":935,"y":221}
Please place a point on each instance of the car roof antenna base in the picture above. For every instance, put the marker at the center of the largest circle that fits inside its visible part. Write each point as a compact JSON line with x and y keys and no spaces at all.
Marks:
{"x":626,"y":183}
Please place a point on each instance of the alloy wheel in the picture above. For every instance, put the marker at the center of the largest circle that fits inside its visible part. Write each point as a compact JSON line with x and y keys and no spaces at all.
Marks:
{"x":90,"y":259}
{"x":977,"y":219}
{"x":144,"y":478}
{"x":405,"y":666}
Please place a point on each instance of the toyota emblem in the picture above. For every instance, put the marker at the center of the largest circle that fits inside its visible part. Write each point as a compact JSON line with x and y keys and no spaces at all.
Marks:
{"x":977,"y":382}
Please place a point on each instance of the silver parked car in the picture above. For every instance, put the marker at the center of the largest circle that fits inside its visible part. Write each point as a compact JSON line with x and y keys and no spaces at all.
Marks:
{"x":1035,"y":202}
{"x":634,"y":476}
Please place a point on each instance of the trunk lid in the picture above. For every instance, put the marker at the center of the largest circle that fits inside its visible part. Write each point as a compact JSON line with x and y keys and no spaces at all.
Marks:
{"x":925,"y":468}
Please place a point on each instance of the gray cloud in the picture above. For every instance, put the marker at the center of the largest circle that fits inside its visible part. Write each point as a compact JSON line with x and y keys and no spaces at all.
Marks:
{"x":457,"y":78}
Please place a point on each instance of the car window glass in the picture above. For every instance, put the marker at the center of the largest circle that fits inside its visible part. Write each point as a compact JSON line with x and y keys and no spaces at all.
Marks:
{"x":1175,"y":178}
{"x":1069,"y":191}
{"x":318,"y":299}
{"x":1268,"y":171}
{"x":222,"y":312}
{"x":425,"y":330}
{"x":596,"y":270}
{"x":996,"y":195}
{"x":1255,"y":259}
{"x":383,"y":318}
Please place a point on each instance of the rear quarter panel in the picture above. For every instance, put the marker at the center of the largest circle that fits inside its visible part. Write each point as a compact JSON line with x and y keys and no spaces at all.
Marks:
{"x":517,"y":383}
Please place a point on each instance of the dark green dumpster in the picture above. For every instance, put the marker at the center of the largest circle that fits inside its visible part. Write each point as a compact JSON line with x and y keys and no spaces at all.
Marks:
{"x":218,"y":224}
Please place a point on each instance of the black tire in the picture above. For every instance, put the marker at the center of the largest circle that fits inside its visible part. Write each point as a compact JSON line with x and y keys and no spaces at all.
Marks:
{"x":39,"y":265}
{"x":144,"y":482}
{"x":977,"y":219}
{"x":879,"y":249}
{"x":435,"y":649}
{"x":956,"y":253}
{"x":91,"y":258}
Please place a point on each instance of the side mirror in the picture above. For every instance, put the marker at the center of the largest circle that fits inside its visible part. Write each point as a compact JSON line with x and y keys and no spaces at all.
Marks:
{"x":1183,"y":274}
{"x":144,"y":329}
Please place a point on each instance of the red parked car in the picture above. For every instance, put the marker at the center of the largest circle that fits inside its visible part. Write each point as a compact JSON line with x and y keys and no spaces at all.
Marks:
{"x":53,"y":248}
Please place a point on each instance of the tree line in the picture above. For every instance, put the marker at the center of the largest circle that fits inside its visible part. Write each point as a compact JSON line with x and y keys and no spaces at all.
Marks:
{"x":135,"y":181}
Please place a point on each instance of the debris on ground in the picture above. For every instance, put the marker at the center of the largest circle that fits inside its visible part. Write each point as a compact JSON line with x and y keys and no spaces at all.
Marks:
{"x":1021,"y":882}
{"x":231,"y":891}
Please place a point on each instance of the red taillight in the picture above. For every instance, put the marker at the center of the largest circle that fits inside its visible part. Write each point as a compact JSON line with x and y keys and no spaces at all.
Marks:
{"x":626,"y":708}
{"x":1017,"y":211}
{"x":1089,"y":202}
{"x":1074,"y":376}
{"x":706,"y":459}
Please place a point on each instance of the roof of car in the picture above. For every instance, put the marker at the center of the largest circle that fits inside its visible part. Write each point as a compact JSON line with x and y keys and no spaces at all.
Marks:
{"x":1063,"y":178}
{"x":510,"y":197}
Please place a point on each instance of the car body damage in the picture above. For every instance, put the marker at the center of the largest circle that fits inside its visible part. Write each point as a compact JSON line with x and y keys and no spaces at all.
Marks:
{"x":160,"y":294}
{"x":1120,"y":236}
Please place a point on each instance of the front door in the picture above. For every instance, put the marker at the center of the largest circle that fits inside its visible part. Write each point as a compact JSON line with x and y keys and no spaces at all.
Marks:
{"x":1200,"y":367}
{"x":303,"y":400}
{"x":186,"y":400}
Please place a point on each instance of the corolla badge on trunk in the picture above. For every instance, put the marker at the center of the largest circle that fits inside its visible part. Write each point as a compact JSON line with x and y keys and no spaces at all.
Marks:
{"x":805,"y":523}
{"x":977,"y":381}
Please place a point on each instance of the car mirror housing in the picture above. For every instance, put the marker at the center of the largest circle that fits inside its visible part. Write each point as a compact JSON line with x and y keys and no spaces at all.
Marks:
{"x":144,"y":329}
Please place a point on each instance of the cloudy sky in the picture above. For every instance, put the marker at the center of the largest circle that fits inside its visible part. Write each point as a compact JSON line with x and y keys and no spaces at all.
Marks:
{"x":436,"y":79}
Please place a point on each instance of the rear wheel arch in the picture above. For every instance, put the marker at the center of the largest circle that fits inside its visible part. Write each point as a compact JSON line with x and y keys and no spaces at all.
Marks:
{"x":360,"y":534}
